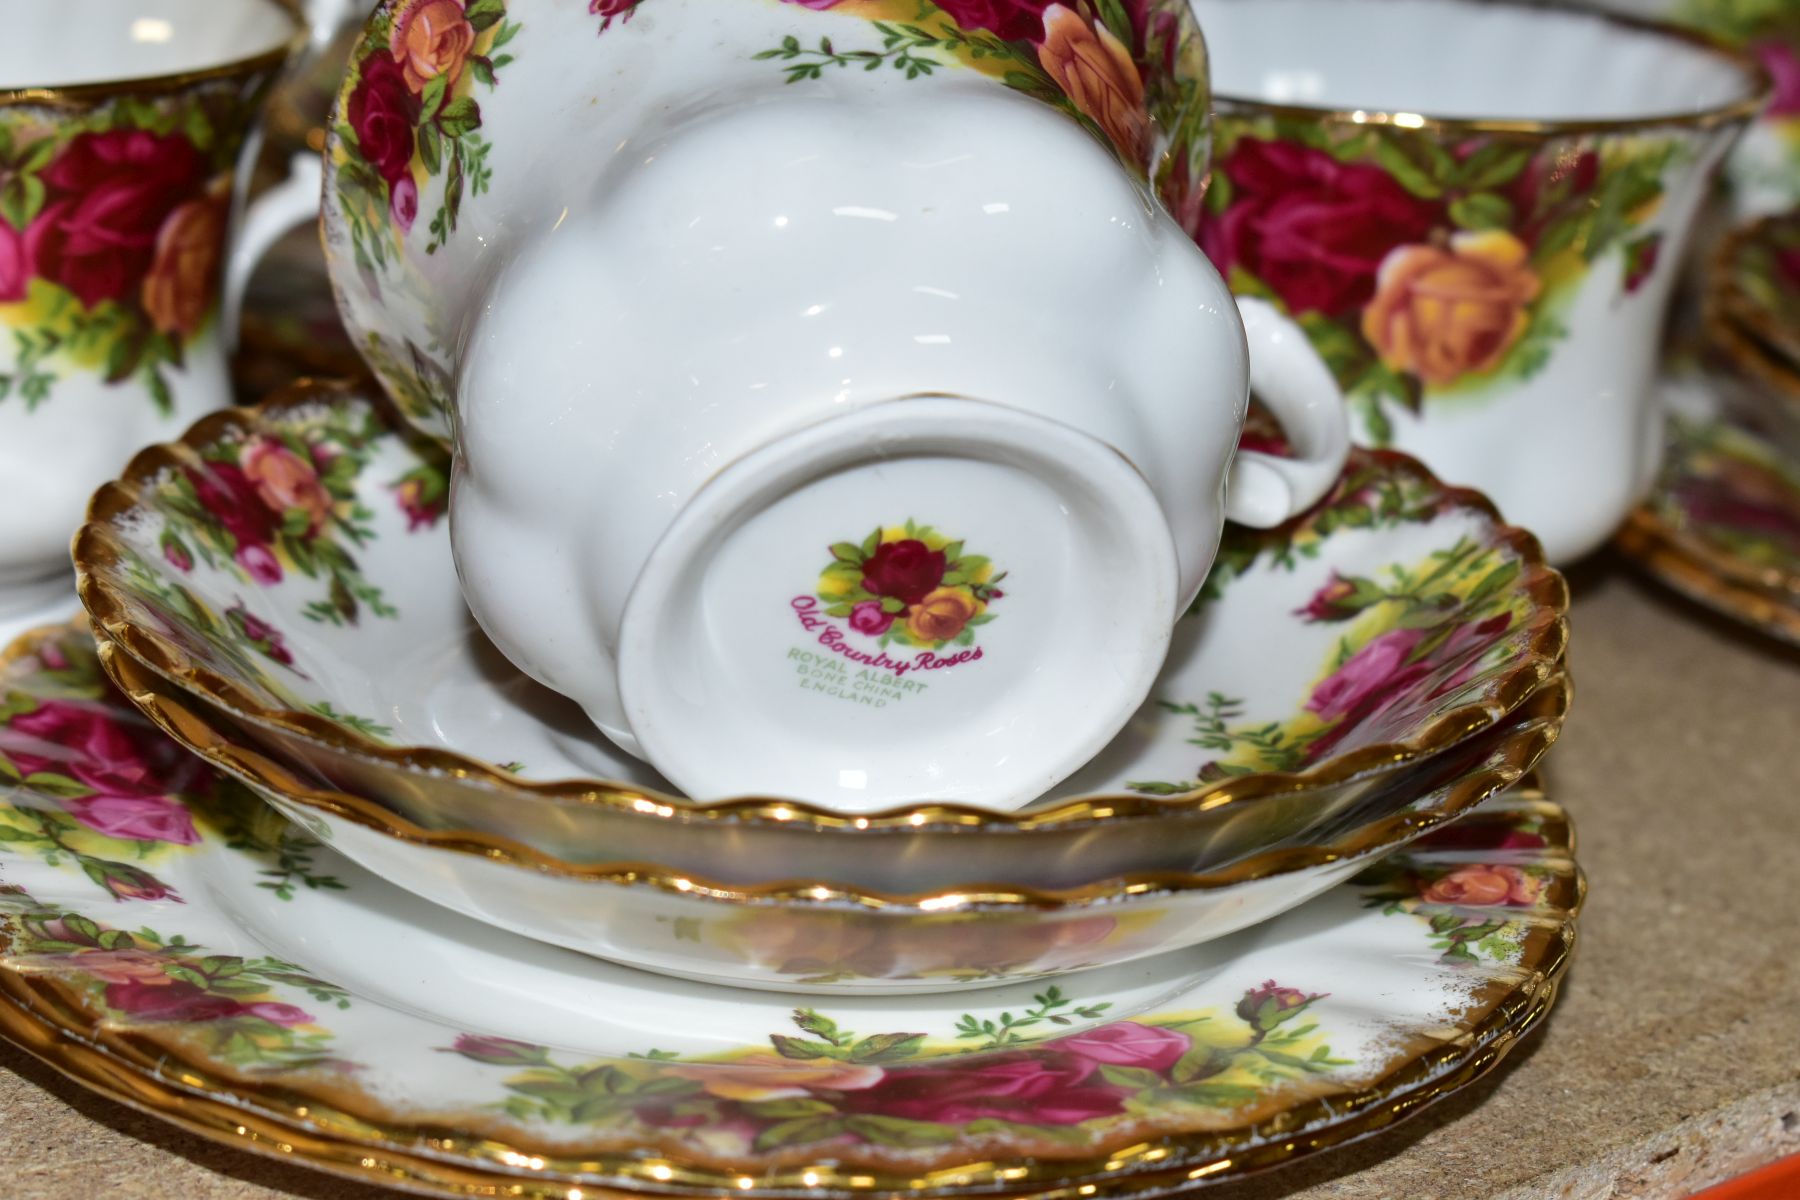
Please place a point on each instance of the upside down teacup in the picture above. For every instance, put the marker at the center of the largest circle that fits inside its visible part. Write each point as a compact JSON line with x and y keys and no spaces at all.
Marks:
{"x":838,"y":413}
{"x":121,"y":128}
{"x":1477,"y":215}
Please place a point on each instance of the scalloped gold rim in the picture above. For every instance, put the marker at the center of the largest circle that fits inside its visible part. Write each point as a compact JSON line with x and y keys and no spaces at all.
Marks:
{"x":1664,"y":553}
{"x":95,"y":552}
{"x":1539,"y":723}
{"x":1744,"y":110}
{"x":87,"y":95}
{"x":1747,"y":352}
{"x":1742,"y":330}
{"x":1695,"y":555}
{"x":353,"y":1133}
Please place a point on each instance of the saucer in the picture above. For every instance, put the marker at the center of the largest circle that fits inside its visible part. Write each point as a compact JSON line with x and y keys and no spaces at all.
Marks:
{"x":289,"y":566}
{"x":826,"y":937}
{"x":1753,"y":283}
{"x":1722,"y":525}
{"x":171,"y":942}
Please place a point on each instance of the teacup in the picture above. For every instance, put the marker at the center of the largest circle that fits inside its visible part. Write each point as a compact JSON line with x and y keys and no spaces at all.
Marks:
{"x":818,"y":341}
{"x":120,"y":135}
{"x":1762,"y":174}
{"x":1477,"y":211}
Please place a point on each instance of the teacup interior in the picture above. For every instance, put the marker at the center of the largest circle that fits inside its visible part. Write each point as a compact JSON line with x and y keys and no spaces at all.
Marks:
{"x":1461,"y":58}
{"x":72,"y":42}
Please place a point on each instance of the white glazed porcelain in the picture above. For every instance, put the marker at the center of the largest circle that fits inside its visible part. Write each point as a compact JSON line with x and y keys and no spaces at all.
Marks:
{"x":903,"y":366}
{"x":812,"y":934}
{"x":121,"y":127}
{"x":1332,"y":664}
{"x":1762,"y":176}
{"x":1478,"y":210}
{"x":180,"y":940}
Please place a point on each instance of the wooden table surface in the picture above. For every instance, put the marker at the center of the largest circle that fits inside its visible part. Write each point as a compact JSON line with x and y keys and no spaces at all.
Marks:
{"x":1672,"y":1061}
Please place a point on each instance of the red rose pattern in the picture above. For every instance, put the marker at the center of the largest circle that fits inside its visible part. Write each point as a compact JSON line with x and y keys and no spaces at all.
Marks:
{"x":107,"y":195}
{"x":906,"y":570}
{"x":176,"y":1000}
{"x":382,"y":111}
{"x":1382,"y":677}
{"x":1128,"y":1044}
{"x":1310,"y":227}
{"x":132,"y":770}
{"x":15,"y":265}
{"x":871,"y":619}
{"x":1037,"y":1087}
{"x":1783,"y":65}
{"x":252,"y":510}
{"x":1014,"y":20}
{"x":620,"y":10}
{"x":229,"y":495}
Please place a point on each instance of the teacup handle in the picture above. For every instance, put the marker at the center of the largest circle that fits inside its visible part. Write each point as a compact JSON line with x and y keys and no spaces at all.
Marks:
{"x":289,"y":204}
{"x":1288,"y":376}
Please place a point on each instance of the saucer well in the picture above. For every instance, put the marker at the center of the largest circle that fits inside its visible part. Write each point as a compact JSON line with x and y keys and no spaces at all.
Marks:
{"x":289,"y":567}
{"x":171,"y":942}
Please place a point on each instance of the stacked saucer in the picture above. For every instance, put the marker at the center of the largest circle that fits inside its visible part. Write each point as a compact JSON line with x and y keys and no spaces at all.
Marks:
{"x":1345,"y":683}
{"x":1722,"y":525}
{"x":337,"y":827}
{"x":175,"y":944}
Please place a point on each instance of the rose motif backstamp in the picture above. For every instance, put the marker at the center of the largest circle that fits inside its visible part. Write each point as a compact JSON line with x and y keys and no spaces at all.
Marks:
{"x":911,"y":586}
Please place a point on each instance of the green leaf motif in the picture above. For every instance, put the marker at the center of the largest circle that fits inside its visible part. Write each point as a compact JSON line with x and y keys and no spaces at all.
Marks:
{"x":1481,"y":211}
{"x":481,"y":14}
{"x":1135,"y":1078}
{"x":793,"y":1047}
{"x":1217,"y":1095}
{"x":1417,"y":164}
{"x":433,"y":96}
{"x":887,"y":1047}
{"x":799,"y":1132}
{"x":899,"y":1132}
{"x":1495,"y":164}
{"x":49,"y":783}
{"x":430,"y":149}
{"x":459,"y":117}
{"x":789,"y":1108}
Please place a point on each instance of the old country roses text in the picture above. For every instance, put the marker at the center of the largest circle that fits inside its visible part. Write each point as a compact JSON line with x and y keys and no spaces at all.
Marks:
{"x":831,"y":637}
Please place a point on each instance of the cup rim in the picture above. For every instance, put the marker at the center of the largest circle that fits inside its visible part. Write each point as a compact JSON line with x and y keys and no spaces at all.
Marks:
{"x":78,"y":95}
{"x":1743,"y":109}
{"x":94,"y":550}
